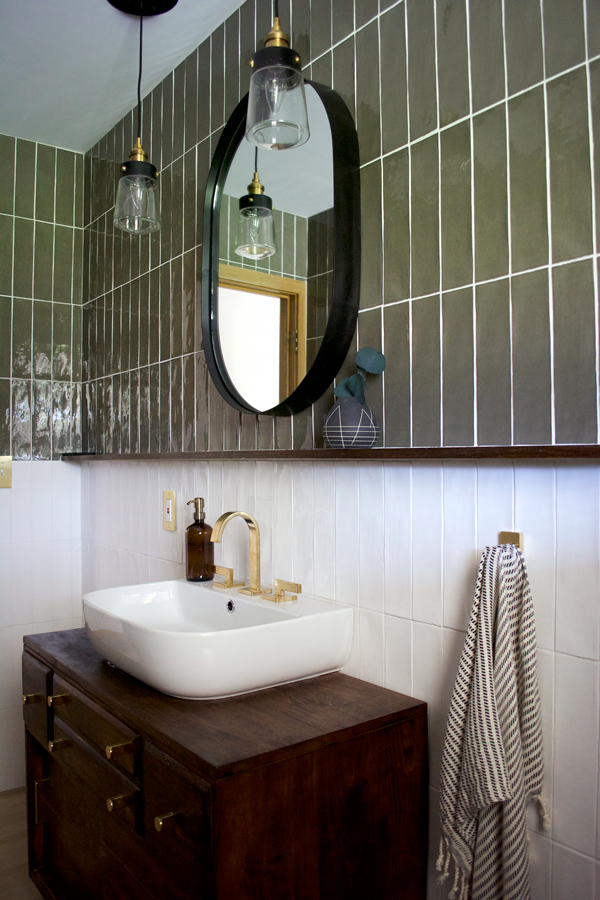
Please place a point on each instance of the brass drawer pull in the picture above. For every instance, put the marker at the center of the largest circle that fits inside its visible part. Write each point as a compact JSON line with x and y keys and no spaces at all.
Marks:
{"x":119,"y":802}
{"x":57,"y":699}
{"x":163,"y":821}
{"x":32,"y":698}
{"x":61,"y":744}
{"x":115,"y":750}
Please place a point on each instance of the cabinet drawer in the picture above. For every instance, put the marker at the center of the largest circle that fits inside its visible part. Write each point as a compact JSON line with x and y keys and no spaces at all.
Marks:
{"x":96,"y":727}
{"x":102,"y":781}
{"x":37,"y":684}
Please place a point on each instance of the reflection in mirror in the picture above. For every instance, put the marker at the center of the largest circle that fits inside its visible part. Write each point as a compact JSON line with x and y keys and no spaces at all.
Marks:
{"x":294,"y":284}
{"x":304,"y":295}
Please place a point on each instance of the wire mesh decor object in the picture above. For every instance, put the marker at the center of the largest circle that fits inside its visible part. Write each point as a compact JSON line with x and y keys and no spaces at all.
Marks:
{"x":350,"y":423}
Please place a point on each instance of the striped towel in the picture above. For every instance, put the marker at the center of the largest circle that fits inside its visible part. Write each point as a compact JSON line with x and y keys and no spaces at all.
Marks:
{"x":492,"y":763}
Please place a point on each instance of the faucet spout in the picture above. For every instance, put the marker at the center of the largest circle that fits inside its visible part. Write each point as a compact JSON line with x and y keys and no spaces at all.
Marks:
{"x":254,"y":537}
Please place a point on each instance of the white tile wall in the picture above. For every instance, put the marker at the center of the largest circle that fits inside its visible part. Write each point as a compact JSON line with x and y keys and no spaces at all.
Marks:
{"x":40,"y":583}
{"x":400,"y":542}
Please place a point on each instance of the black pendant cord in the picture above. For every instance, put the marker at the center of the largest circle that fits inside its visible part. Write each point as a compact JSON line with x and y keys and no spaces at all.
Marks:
{"x":139,"y":90}
{"x":256,"y":160}
{"x":276,"y":2}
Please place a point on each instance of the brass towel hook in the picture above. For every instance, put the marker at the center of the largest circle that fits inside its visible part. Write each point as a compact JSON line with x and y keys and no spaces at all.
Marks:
{"x":512,"y":537}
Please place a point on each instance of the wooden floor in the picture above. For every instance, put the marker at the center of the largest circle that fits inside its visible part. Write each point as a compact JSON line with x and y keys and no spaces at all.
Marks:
{"x":15,"y":883}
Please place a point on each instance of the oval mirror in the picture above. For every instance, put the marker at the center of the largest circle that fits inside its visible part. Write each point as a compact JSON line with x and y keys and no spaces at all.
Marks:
{"x":277,"y":329}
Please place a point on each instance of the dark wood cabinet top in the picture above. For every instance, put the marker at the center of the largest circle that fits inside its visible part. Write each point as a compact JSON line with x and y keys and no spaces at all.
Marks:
{"x":220,"y":737}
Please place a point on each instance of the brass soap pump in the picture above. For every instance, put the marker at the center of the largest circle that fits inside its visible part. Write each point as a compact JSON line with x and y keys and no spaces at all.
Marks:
{"x":199,"y":551}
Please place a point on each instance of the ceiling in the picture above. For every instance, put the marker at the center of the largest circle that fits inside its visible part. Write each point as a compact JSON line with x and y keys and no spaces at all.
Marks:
{"x":69,"y":68}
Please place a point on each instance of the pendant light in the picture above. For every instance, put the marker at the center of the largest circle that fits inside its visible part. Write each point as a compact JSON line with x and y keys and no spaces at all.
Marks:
{"x":136,"y":206}
{"x":256,"y":229}
{"x":277,"y":116}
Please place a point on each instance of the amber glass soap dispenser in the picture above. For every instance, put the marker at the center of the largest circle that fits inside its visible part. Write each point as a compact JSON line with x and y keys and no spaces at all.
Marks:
{"x":199,"y":550}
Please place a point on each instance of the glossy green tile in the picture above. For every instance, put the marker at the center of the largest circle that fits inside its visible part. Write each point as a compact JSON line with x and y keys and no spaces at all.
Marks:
{"x":134,"y":411}
{"x":178,"y":110}
{"x":426,"y":390}
{"x":21,"y":338}
{"x":528,"y":192}
{"x":188,"y":301}
{"x":144,"y":410}
{"x":108,"y":335}
{"x":453,"y":73}
{"x":231,"y":427}
{"x":7,"y":167}
{"x":162,"y":417}
{"x":570,"y":179}
{"x":574,"y":353}
{"x":322,"y":69}
{"x":165,"y":312}
{"x":5,"y":339}
{"x":191,"y":100}
{"x":63,"y":264}
{"x":176,"y":405}
{"x":65,"y":187}
{"x":364,"y":11}
{"x":42,"y":419}
{"x":217,"y":78}
{"x":394,"y":120}
{"x":422,"y":91}
{"x":493,"y":363}
{"x":117,"y":329}
{"x":300,"y":33}
{"x":425,"y":218}
{"x":43,"y":261}
{"x":166,"y":129}
{"x":125,"y":327}
{"x":61,"y":418}
{"x":367,"y":92}
{"x":5,"y":417}
{"x":166,"y":212}
{"x":21,"y":420}
{"x":76,"y":361}
{"x":396,"y":237}
{"x":320,"y":29}
{"x":371,"y":274}
{"x":76,"y":435}
{"x":42,"y":340}
{"x":188,"y":403}
{"x":487,"y":52}
{"x":457,"y":252}
{"x":343,"y":74}
{"x":264,"y":432}
{"x":204,"y":90}
{"x":531,"y":359}
{"x":396,"y":378}
{"x":564,"y":42}
{"x":6,"y":254}
{"x":370,"y":334}
{"x":177,"y":207}
{"x":115,"y":414}
{"x":77,"y":287}
{"x":134,"y":324}
{"x":593,"y":27}
{"x":302,"y":430}
{"x":125,"y":410}
{"x":595,"y":99}
{"x":25,"y":178}
{"x":154,"y":123}
{"x":23,"y":258}
{"x":203,"y":413}
{"x":232,"y":63}
{"x":524,"y":55}
{"x":176,"y":307}
{"x":248,"y":427}
{"x":458,"y":396}
{"x":79,"y":190}
{"x":189,"y":199}
{"x":491,"y":204}
{"x":342,"y":19}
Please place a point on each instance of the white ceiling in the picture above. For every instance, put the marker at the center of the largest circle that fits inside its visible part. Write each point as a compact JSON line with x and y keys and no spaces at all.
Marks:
{"x":69,"y":68}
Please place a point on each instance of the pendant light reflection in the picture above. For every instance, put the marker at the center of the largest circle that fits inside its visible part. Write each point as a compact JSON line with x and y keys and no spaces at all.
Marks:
{"x":277,"y":116}
{"x":136,"y":206}
{"x":256,"y":228}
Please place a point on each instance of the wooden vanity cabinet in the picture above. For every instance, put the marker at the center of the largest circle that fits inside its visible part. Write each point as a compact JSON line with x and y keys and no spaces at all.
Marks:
{"x":310,"y":791}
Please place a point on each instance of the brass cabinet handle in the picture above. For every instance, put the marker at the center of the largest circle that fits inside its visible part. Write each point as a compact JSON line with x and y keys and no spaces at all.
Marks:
{"x":61,"y":744}
{"x":57,"y":699}
{"x":32,"y":698}
{"x":119,"y":802}
{"x":115,"y":750}
{"x":164,"y":820}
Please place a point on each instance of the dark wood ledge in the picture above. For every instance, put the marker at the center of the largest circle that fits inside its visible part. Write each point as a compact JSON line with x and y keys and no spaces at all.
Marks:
{"x":377,"y":454}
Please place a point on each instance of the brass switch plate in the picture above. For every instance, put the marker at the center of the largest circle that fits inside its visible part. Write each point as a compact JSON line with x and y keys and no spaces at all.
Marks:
{"x":169,"y":511}
{"x":5,"y":471}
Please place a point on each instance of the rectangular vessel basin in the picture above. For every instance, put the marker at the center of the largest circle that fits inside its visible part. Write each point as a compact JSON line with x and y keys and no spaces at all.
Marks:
{"x":186,"y":640}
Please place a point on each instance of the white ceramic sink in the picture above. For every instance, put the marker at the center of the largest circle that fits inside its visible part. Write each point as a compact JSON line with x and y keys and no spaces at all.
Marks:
{"x":182,"y":639}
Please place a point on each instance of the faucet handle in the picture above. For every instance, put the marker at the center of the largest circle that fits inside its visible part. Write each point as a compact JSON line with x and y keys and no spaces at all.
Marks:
{"x":227,"y":575}
{"x":281,"y":587}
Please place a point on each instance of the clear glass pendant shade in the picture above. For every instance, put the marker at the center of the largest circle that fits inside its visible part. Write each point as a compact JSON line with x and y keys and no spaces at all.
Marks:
{"x":136,"y":206}
{"x":277,"y":117}
{"x":256,"y":233}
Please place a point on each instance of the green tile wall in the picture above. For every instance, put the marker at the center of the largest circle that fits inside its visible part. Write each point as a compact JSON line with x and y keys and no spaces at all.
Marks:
{"x":41,"y":265}
{"x":479,"y":129}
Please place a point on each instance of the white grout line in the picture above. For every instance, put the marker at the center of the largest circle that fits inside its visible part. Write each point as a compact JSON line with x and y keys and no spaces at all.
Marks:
{"x":473,"y":272}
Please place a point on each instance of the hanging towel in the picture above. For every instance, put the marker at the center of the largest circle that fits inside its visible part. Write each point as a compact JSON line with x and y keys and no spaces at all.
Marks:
{"x":492,"y":762}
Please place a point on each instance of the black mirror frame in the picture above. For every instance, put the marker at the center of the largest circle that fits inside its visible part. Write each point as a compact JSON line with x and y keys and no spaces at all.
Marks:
{"x":343,"y":312}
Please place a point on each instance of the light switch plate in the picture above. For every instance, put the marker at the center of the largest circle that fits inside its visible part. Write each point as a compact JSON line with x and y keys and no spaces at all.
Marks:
{"x":5,"y":471}
{"x":169,"y":511}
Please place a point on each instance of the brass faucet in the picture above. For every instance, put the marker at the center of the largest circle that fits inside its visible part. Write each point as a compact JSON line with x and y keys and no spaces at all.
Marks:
{"x":254,"y":535}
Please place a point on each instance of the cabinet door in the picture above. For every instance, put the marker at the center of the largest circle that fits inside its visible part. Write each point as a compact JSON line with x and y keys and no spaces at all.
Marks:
{"x":37,"y":684}
{"x":180,"y":853}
